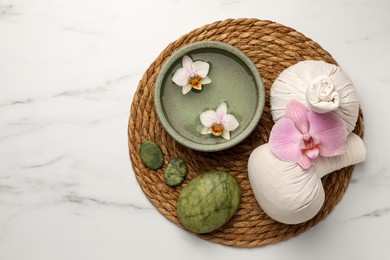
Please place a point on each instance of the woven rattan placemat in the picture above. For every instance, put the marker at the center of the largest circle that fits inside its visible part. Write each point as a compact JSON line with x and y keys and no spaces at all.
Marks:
{"x":272,"y":47}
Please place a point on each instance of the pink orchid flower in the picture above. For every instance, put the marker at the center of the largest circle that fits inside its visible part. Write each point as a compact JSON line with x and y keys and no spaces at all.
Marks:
{"x":303,"y":135}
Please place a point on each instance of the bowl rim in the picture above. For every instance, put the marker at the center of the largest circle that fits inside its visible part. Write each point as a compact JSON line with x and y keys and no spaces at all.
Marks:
{"x":255,"y":117}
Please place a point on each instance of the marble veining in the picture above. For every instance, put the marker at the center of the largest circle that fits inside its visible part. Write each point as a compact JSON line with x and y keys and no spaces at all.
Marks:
{"x":45,"y":164}
{"x":95,"y":90}
{"x":376,"y":213}
{"x":85,"y":201}
{"x":7,"y":10}
{"x":68,"y":73}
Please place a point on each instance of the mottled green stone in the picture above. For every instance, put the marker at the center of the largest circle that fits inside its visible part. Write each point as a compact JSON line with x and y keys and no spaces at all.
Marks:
{"x":151,"y":155}
{"x":208,"y":201}
{"x":175,"y":172}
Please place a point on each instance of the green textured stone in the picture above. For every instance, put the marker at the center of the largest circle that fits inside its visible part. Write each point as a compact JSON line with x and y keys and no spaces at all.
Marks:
{"x":208,"y":201}
{"x":151,"y":155}
{"x":175,"y":172}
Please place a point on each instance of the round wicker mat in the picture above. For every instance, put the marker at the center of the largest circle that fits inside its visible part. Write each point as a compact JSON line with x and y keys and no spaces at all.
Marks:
{"x":272,"y":47}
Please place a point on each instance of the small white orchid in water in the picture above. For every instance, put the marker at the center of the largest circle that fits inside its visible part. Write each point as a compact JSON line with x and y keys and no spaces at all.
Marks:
{"x":218,"y":122}
{"x":192,"y":75}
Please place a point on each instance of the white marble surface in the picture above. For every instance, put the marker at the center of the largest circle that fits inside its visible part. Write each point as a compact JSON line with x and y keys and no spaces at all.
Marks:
{"x":68,"y":72}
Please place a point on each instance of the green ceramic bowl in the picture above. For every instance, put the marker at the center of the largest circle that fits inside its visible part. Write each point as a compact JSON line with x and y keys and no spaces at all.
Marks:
{"x":235,"y":81}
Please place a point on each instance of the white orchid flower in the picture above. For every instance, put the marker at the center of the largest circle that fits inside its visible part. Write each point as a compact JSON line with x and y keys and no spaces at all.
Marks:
{"x":191,"y":75}
{"x":218,"y":122}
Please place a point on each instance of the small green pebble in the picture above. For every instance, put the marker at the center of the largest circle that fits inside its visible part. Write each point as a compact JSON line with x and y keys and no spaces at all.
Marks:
{"x":151,"y":155}
{"x":175,"y":172}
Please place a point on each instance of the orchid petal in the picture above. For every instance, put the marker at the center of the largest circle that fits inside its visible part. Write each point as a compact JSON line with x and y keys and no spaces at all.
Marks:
{"x":208,"y":118}
{"x":298,"y":114}
{"x":201,"y":68}
{"x":199,"y":87}
{"x":206,"y":80}
{"x":333,"y":152}
{"x":285,"y":141}
{"x":312,"y":153}
{"x":206,"y":131}
{"x":180,"y":77}
{"x":186,"y":89}
{"x":229,"y":122}
{"x":329,"y":129}
{"x":221,"y":112}
{"x":187,"y":64}
{"x":305,"y":162}
{"x":226,"y":134}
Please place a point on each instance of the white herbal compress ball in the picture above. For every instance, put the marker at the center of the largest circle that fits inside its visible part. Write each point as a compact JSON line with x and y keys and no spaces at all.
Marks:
{"x":321,"y":86}
{"x":285,"y":190}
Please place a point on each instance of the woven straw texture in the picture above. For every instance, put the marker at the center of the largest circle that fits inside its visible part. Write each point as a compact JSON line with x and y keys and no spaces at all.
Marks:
{"x":272,"y":47}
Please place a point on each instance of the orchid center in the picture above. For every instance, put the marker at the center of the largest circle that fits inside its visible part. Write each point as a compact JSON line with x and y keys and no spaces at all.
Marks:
{"x":310,"y":147}
{"x":195,"y":82}
{"x":217,"y":129}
